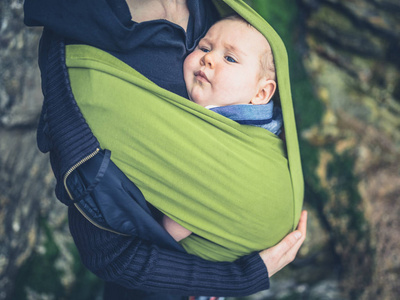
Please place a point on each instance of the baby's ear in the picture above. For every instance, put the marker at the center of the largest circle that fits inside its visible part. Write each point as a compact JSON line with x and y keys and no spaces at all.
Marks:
{"x":266,"y":90}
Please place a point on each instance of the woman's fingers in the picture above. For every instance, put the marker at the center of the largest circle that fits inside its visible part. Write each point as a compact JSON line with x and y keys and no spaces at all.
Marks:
{"x":302,"y":227}
{"x":277,"y":257}
{"x":301,"y":234}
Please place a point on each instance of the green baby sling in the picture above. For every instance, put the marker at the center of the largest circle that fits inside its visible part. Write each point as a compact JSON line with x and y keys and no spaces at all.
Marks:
{"x":236,"y":187}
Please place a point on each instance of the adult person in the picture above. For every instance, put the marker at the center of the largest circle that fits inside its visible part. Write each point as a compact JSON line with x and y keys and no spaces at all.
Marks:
{"x":153,"y":37}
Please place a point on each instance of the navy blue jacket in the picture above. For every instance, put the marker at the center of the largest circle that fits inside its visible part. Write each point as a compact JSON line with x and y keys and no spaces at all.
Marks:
{"x":156,"y":49}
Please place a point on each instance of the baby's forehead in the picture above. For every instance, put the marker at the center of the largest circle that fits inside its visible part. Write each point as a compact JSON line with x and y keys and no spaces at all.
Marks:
{"x":240,"y":31}
{"x":233,"y":23}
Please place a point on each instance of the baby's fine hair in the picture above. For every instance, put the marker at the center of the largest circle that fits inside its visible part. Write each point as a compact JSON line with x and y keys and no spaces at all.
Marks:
{"x":267,"y":58}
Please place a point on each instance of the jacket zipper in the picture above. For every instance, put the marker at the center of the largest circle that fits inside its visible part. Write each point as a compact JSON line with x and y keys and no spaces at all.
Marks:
{"x":85,"y":159}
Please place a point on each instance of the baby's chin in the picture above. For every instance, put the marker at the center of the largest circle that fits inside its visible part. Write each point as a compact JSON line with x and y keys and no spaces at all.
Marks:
{"x":197,"y":100}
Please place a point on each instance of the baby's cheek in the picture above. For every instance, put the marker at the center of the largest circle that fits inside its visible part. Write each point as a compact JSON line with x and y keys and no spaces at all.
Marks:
{"x":187,"y":66}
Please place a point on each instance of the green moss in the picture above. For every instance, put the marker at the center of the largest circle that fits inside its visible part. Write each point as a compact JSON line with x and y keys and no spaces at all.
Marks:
{"x":39,"y":273}
{"x":87,"y":285}
{"x":341,"y":169}
{"x":328,"y":15}
{"x":352,"y":230}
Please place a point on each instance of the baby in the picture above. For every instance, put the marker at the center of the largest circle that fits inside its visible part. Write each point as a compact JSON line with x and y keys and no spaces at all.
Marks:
{"x":231,"y":72}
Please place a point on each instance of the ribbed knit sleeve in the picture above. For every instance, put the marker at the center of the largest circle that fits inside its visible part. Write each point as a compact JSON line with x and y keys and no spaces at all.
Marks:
{"x":94,"y":22}
{"x":136,"y":264}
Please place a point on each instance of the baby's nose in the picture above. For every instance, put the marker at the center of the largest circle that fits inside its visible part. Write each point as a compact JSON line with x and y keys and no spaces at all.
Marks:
{"x":208,"y":60}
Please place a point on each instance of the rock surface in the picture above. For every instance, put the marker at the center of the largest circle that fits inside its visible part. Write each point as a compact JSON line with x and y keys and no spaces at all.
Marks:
{"x":346,"y":86}
{"x":352,"y":60}
{"x":35,"y":245}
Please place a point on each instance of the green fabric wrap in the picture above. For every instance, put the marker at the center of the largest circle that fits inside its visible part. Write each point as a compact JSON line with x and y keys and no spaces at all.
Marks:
{"x":229,"y":184}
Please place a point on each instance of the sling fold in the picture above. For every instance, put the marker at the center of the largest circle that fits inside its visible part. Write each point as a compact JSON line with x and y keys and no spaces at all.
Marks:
{"x":238,"y":188}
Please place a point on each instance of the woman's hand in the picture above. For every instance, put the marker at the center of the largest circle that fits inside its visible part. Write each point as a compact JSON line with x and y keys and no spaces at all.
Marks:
{"x":282,"y":254}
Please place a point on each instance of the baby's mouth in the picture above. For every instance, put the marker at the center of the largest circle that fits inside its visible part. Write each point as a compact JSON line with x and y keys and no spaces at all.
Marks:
{"x":201,"y":76}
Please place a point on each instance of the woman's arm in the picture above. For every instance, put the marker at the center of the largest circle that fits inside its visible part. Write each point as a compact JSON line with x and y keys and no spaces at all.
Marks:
{"x":277,"y":257}
{"x":135,"y":264}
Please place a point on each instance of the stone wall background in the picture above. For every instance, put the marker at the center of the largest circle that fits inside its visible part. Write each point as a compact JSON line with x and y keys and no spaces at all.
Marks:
{"x":352,"y":58}
{"x":345,"y":84}
{"x":345,"y":69}
{"x":37,"y":255}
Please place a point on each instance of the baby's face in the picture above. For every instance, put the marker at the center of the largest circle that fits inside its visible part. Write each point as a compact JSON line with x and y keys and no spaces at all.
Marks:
{"x":225,"y":67}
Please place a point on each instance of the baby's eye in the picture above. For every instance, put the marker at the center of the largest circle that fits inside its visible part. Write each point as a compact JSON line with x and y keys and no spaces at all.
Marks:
{"x":204,"y":49}
{"x":230,"y":59}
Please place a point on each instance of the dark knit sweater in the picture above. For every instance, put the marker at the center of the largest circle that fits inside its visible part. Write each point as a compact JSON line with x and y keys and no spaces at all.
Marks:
{"x":127,"y":261}
{"x":135,"y":264}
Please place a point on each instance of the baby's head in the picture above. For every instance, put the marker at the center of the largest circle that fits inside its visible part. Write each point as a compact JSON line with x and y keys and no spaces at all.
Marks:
{"x":233,"y":64}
